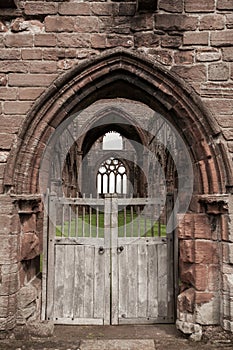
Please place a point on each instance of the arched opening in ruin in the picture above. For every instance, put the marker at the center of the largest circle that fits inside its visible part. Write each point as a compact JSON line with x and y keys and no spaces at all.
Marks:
{"x":122,"y":74}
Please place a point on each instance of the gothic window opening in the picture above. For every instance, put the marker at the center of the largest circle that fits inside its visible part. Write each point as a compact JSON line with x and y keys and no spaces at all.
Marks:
{"x":112,"y":177}
{"x":112,"y":141}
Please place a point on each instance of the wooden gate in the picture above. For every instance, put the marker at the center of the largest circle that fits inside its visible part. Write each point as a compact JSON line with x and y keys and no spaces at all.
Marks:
{"x":109,"y":261}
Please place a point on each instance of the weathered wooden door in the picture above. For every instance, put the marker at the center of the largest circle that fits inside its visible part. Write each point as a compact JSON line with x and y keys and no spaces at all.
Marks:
{"x":108,"y":262}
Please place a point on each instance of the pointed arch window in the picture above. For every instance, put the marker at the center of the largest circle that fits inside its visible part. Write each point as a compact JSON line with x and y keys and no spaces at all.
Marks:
{"x":112,"y":177}
{"x":112,"y":141}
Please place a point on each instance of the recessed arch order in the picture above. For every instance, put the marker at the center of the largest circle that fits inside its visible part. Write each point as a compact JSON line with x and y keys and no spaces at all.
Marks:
{"x":126,"y":74}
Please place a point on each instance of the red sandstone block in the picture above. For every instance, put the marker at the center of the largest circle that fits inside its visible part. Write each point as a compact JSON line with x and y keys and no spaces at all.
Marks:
{"x":10,"y":124}
{"x":29,"y":246}
{"x":229,"y":21}
{"x":208,"y":55}
{"x":14,"y":66}
{"x":203,"y":297}
{"x":142,"y":22}
{"x":75,"y":9}
{"x":199,"y":5}
{"x":175,"y":22}
{"x":43,"y":67}
{"x":127,"y":9}
{"x":45,"y":40}
{"x":30,"y":93}
{"x":29,"y":223}
{"x":187,"y":251}
{"x":187,"y":273}
{"x":171,"y":41}
{"x":202,"y":226}
{"x":51,"y":54}
{"x":197,"y":38}
{"x":31,"y":54}
{"x":6,"y":140}
{"x":6,"y":205}
{"x":225,"y":5}
{"x":16,"y":107}
{"x":222,"y":38}
{"x":227,"y":53}
{"x":119,"y":40}
{"x":8,"y":249}
{"x":7,"y":94}
{"x":228,"y":134}
{"x":212,"y":22}
{"x":31,"y":79}
{"x":206,"y":252}
{"x":171,"y":5}
{"x":10,"y":54}
{"x":184,"y":57}
{"x":224,"y":228}
{"x":186,"y":300}
{"x":98,"y":41}
{"x":104,"y":9}
{"x":59,"y":24}
{"x":86,"y":24}
{"x":192,"y":73}
{"x":218,"y":72}
{"x":146,"y":39}
{"x":185,"y":227}
{"x":40,"y":8}
{"x":163,"y":56}
{"x":19,"y":40}
{"x":73,"y":40}
{"x":200,"y":279}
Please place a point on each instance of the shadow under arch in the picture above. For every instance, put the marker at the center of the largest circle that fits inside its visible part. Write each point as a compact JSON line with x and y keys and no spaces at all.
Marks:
{"x":120,"y":73}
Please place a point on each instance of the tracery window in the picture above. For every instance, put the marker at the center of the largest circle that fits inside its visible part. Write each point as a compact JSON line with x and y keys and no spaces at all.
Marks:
{"x":112,"y":177}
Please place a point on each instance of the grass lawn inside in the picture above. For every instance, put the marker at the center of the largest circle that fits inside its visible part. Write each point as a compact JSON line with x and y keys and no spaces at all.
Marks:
{"x":136,"y":226}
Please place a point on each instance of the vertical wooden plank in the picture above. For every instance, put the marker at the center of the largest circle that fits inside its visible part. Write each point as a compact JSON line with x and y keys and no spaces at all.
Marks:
{"x":132,"y":258}
{"x":98,"y":284}
{"x":123,"y":284}
{"x":69,"y":264}
{"x":162,"y":280}
{"x":79,"y":281}
{"x":69,"y":220}
{"x":90,"y":219}
{"x":107,"y":271}
{"x":125,"y":220}
{"x":76,"y":221}
{"x":131,"y":211}
{"x":51,"y":240}
{"x":138,"y":220}
{"x":152,"y":280}
{"x":59,"y":297}
{"x":62,"y":221}
{"x":114,"y":262}
{"x":89,"y":282}
{"x":83,"y":221}
{"x":97,"y":221}
{"x":142,"y":281}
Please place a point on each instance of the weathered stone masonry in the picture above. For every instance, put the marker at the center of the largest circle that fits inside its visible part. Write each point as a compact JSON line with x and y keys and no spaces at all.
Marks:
{"x":53,"y":55}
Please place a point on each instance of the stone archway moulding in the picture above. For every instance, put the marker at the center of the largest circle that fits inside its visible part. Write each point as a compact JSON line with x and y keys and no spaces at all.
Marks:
{"x":140,"y":79}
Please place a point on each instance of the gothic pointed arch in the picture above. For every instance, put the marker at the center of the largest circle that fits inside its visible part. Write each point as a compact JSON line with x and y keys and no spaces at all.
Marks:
{"x":126,"y":74}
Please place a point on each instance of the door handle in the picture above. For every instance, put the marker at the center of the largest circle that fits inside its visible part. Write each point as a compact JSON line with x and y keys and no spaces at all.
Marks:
{"x":120,"y":249}
{"x":101,"y":250}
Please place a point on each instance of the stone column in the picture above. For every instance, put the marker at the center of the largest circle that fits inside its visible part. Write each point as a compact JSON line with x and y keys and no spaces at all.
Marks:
{"x":200,"y":236}
{"x":9,"y":264}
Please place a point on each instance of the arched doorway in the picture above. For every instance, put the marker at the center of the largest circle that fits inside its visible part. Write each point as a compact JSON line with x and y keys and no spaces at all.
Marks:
{"x":123,"y":74}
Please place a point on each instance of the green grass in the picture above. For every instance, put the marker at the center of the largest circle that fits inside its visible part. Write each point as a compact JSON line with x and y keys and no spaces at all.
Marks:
{"x":85,"y":228}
